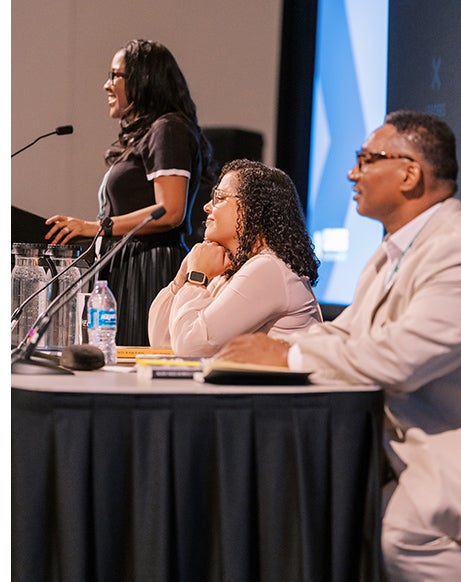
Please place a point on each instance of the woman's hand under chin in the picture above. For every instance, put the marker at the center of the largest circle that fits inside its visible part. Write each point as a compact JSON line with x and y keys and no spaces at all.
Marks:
{"x":209,"y":258}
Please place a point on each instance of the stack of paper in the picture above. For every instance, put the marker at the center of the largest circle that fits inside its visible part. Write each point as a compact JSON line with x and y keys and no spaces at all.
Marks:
{"x":150,"y":366}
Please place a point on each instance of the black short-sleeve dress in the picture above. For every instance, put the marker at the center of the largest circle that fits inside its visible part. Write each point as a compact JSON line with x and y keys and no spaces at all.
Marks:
{"x":148,"y":263}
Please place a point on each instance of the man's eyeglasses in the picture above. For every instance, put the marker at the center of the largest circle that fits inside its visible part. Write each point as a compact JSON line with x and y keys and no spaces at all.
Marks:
{"x":115,"y":75}
{"x":218,"y":196}
{"x":364,"y":157}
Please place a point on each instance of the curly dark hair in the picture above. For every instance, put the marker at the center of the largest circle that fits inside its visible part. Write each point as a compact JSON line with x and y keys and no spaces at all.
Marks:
{"x":155,"y":86}
{"x":431,"y":136}
{"x":270,"y":210}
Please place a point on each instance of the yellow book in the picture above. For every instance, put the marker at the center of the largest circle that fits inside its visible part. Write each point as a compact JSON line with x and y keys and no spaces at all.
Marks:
{"x":129,"y":353}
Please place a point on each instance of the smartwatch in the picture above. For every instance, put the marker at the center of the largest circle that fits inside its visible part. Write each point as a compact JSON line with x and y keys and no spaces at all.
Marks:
{"x":197,"y":278}
{"x":107,"y":223}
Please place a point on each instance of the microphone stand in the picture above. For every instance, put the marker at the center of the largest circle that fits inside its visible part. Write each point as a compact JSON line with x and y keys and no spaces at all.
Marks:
{"x":21,"y":357}
{"x":61,"y":130}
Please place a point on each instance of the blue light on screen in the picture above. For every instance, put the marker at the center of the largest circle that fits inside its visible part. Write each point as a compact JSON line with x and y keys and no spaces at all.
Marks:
{"x":349,"y":102}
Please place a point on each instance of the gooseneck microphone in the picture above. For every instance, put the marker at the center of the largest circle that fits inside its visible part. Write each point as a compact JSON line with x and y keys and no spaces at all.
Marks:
{"x":64,"y":130}
{"x":21,"y":362}
{"x":15,"y":316}
{"x":61,"y":130}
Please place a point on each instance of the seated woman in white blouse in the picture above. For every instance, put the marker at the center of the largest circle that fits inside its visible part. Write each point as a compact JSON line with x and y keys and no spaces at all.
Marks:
{"x":253,"y":272}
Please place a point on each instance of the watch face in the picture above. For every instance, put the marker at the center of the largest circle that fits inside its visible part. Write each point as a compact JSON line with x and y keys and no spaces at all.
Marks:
{"x":196,"y":276}
{"x":107,"y":222}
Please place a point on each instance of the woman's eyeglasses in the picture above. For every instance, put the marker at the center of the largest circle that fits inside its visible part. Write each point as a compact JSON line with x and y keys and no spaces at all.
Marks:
{"x":115,"y":75}
{"x":218,"y":196}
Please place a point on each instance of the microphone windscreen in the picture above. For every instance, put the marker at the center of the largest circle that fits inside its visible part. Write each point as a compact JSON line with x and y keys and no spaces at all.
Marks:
{"x":82,"y":357}
{"x":64,"y":129}
{"x":158,"y":213}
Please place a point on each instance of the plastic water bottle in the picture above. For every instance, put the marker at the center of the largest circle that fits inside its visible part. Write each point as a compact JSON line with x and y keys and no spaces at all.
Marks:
{"x":102,"y":321}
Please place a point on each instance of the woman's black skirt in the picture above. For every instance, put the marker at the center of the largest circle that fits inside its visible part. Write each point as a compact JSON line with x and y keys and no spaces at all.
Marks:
{"x":135,"y":275}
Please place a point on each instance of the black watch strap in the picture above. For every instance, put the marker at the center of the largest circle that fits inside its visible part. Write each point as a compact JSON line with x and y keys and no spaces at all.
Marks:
{"x":107,"y":223}
{"x":197,"y":278}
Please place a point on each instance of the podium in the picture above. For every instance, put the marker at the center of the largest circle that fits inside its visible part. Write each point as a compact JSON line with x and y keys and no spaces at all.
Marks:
{"x":27,"y":227}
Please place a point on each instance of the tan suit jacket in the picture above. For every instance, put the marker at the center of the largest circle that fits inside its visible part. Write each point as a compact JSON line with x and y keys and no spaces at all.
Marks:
{"x":408,"y":340}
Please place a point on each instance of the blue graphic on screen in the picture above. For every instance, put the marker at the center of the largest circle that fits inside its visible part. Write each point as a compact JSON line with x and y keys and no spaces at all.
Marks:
{"x":349,"y":102}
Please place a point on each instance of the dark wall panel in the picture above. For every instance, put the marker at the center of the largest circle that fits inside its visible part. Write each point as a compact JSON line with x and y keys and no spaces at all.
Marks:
{"x":424,"y":62}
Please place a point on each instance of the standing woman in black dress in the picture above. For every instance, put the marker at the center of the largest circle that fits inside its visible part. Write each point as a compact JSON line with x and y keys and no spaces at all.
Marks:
{"x":159,"y":159}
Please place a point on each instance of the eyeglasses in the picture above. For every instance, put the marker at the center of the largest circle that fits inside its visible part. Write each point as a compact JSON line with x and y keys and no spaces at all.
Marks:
{"x":218,"y":196}
{"x":115,"y":75}
{"x":364,"y":157}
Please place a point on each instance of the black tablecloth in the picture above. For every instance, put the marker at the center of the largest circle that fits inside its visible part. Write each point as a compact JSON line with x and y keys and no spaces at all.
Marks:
{"x":196,"y":488}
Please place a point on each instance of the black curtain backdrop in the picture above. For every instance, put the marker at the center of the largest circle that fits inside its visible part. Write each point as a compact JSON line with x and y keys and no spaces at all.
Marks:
{"x":296,"y":78}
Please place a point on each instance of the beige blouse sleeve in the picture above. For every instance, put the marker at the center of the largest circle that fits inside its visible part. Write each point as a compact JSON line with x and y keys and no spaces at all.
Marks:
{"x":199,"y":321}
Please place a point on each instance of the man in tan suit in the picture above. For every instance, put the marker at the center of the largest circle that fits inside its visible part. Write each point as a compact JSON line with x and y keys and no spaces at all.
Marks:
{"x":402,"y":332}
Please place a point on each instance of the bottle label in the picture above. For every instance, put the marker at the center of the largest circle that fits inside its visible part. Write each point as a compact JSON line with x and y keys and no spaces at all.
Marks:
{"x":92,"y":315}
{"x":107,"y":318}
{"x":102,"y":318}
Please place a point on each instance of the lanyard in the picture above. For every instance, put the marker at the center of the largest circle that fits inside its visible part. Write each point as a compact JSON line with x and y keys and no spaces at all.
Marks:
{"x":423,"y":218}
{"x":102,"y":196}
{"x":399,"y":260}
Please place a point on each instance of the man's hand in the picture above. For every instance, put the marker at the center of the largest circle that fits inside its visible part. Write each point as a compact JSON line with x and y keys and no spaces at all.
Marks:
{"x":255,"y":348}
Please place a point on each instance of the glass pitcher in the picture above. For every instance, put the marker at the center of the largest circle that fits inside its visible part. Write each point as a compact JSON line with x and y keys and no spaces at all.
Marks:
{"x":29,"y":274}
{"x":62,"y":330}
